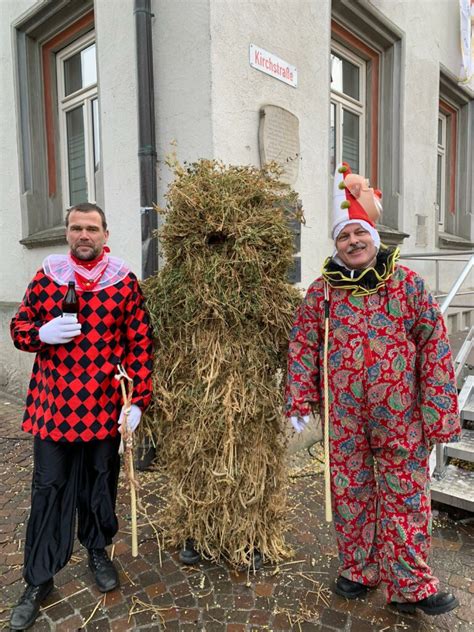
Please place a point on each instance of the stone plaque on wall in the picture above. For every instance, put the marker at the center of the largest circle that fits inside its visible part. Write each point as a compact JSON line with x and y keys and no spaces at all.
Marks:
{"x":279,"y":140}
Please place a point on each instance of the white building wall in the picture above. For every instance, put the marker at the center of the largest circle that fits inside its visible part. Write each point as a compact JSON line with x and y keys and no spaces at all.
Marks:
{"x":298,"y":33}
{"x":117,"y":77}
{"x":183,"y":77}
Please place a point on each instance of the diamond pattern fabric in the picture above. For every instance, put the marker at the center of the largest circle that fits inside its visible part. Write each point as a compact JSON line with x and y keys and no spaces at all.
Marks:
{"x":73,"y":395}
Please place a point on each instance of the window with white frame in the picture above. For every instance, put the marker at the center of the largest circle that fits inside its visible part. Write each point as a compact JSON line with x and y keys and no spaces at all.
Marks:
{"x":348,"y":110}
{"x":454,"y":161}
{"x":79,"y":120}
{"x":441,"y":170}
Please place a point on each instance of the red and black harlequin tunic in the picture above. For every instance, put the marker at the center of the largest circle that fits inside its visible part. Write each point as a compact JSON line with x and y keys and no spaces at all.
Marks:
{"x":73,"y":395}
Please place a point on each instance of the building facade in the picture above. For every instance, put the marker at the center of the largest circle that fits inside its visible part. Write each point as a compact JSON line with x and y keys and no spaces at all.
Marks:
{"x":378,"y":83}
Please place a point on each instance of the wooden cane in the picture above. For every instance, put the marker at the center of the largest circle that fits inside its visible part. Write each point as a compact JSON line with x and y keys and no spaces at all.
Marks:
{"x":127,"y":441}
{"x":327,"y":447}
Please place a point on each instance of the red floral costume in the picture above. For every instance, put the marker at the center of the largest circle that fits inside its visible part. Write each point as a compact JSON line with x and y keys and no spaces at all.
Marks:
{"x":391,"y":395}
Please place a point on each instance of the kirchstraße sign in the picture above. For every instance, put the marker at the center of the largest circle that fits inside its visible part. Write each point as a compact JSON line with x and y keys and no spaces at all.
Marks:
{"x":272,"y":65}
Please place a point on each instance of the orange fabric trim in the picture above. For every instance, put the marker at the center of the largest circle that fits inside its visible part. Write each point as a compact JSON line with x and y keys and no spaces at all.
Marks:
{"x":47,"y":51}
{"x":452,"y":115}
{"x":367,"y":52}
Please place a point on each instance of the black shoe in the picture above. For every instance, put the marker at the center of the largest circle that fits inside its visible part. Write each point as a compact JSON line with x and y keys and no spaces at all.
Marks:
{"x":105,"y":573}
{"x":256,"y":561}
{"x":27,"y":609}
{"x":188,"y":554}
{"x":145,"y":454}
{"x":254,"y":564}
{"x":439,"y":603}
{"x":349,"y":589}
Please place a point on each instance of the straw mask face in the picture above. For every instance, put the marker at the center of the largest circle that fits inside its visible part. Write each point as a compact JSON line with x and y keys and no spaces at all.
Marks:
{"x":230,"y":220}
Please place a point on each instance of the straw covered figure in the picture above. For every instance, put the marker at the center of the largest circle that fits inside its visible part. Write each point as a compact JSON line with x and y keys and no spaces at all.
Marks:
{"x":221,"y":309}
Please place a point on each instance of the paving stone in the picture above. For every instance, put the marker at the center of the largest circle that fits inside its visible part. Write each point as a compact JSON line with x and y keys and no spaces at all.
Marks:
{"x":120,"y":625}
{"x":459,"y":582}
{"x":191,"y":615}
{"x":60,"y":611}
{"x":466,"y":613}
{"x":264,"y":590}
{"x":281,"y":622}
{"x":259,"y":617}
{"x":333,"y":618}
{"x":187,"y":601}
{"x":156,"y":589}
{"x":99,"y":625}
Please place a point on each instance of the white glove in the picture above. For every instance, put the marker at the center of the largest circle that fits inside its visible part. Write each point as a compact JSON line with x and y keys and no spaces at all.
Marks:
{"x":299,"y":423}
{"x":60,"y":330}
{"x":133,"y":420}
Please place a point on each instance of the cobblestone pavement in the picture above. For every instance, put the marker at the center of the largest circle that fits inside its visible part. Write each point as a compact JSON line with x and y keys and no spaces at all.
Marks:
{"x":158,"y":593}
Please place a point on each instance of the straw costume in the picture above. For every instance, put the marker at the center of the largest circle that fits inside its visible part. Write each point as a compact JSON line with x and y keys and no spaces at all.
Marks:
{"x":222,"y":310}
{"x":392,"y":394}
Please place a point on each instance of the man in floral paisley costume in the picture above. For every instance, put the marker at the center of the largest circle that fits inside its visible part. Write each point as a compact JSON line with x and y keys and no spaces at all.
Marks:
{"x":392,"y":395}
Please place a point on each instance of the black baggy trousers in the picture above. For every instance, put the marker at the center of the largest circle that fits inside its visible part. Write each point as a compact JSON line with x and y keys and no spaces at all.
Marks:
{"x":69,"y":477}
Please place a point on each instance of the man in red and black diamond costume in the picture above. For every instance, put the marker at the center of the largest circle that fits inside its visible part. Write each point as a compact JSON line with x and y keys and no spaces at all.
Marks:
{"x":73,"y":406}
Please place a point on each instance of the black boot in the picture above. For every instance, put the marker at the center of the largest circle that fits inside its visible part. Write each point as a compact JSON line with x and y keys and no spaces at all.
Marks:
{"x":439,"y":603}
{"x":105,"y":573}
{"x":27,"y":609}
{"x":256,"y":561}
{"x":188,"y":554}
{"x":349,"y":589}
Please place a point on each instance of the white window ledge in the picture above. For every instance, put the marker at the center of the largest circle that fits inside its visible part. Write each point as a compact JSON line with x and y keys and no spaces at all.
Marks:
{"x":48,"y":237}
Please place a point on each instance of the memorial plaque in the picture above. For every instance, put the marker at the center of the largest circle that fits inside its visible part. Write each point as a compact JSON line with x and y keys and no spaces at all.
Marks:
{"x":279,"y":140}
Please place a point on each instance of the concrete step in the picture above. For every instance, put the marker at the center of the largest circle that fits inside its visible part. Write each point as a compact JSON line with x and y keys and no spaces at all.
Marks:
{"x":467,"y":410}
{"x":464,"y":449}
{"x":455,"y":488}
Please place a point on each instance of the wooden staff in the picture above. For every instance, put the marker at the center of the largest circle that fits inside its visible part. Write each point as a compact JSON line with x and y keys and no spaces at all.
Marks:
{"x":126,"y":446}
{"x":327,"y":447}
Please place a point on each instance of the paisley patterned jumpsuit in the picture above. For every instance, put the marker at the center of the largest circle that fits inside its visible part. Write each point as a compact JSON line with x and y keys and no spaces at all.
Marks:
{"x":392,"y":394}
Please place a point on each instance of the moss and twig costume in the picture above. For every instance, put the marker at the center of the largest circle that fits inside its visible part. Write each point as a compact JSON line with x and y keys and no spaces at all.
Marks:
{"x":222,"y":311}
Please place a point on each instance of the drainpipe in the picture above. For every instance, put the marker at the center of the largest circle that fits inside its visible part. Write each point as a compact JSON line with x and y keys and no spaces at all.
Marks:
{"x":147,"y":165}
{"x":146,"y":136}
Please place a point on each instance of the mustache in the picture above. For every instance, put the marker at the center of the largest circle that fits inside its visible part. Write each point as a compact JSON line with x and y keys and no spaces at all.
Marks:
{"x":355,"y":247}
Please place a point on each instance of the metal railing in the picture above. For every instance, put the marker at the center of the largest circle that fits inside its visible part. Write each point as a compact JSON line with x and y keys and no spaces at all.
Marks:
{"x":437,"y":258}
{"x":463,"y":353}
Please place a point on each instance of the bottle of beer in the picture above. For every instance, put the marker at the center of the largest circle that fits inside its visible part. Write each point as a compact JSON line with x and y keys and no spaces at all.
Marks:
{"x":71,"y":300}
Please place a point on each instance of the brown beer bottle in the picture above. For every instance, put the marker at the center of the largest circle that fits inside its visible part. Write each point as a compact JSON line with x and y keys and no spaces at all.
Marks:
{"x":71,"y":300}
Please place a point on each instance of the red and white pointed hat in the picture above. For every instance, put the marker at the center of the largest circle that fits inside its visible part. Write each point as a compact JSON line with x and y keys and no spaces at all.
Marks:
{"x":347,"y":198}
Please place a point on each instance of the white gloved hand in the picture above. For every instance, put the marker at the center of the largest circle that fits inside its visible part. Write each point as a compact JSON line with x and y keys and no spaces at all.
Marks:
{"x":60,"y":330}
{"x":299,"y":423}
{"x":133,"y":420}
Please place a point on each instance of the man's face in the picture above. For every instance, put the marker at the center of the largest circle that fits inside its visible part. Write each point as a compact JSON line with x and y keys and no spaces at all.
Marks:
{"x":355,"y":247}
{"x":85,"y":235}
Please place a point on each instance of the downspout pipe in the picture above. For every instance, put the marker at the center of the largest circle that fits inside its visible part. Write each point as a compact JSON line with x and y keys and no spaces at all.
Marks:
{"x":146,"y":136}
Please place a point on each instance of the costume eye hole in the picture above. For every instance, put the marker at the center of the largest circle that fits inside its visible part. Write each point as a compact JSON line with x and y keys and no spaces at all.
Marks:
{"x":216,"y":239}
